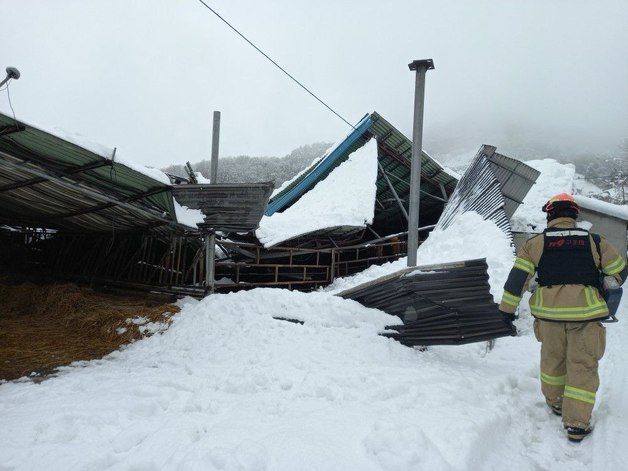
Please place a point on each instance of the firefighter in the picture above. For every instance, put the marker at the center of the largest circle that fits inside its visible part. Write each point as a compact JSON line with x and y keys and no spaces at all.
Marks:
{"x":567,"y":306}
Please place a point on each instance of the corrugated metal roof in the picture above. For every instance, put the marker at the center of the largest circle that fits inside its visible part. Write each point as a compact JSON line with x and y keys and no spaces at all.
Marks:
{"x":46,"y":180}
{"x":491,"y":184}
{"x":515,"y":178}
{"x":440,"y":304}
{"x":394,"y":155}
{"x":236,"y":207}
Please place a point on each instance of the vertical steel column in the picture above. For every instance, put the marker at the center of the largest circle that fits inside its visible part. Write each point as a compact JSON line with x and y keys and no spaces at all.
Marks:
{"x":421,"y":67}
{"x":210,"y":258}
{"x":213,"y":175}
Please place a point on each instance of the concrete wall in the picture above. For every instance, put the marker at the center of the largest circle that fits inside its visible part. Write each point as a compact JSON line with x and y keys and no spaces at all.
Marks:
{"x":612,"y":228}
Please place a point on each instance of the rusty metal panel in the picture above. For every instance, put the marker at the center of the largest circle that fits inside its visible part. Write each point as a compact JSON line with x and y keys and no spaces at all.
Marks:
{"x":440,"y":304}
{"x":229,"y":207}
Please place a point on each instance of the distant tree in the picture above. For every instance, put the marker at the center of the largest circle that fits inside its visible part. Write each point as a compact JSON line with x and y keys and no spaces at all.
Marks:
{"x":245,"y":169}
{"x":610,"y":173}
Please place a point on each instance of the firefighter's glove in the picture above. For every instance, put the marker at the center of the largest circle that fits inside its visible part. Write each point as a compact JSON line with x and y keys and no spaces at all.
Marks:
{"x":508,"y":317}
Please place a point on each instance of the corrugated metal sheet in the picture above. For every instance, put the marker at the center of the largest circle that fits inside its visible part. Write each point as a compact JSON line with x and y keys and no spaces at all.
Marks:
{"x":231,"y":207}
{"x":45,"y":180}
{"x":493,"y":186}
{"x":480,"y":191}
{"x":515,"y":178}
{"x":440,"y":304}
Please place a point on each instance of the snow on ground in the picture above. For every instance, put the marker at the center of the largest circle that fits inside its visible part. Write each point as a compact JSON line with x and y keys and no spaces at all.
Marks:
{"x":468,"y":237}
{"x":228,"y":387}
{"x":585,"y":187}
{"x":345,"y":198}
{"x":554,"y":178}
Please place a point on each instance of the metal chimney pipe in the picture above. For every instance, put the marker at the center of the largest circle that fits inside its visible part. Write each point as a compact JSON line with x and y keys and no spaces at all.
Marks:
{"x":213,"y":167}
{"x":421,"y":67}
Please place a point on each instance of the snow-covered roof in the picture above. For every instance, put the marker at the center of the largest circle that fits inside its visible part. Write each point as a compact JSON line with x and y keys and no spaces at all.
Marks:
{"x":599,"y":206}
{"x":345,"y":198}
{"x":61,"y":179}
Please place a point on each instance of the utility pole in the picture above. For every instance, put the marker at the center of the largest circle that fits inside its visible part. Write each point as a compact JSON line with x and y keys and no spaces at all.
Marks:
{"x":421,"y":67}
{"x":213,"y":166}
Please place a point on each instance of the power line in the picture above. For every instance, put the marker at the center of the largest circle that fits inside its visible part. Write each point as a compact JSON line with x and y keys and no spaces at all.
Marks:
{"x":275,"y":63}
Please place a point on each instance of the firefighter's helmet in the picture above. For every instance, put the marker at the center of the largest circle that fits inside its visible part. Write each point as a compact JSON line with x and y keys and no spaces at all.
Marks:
{"x":561,"y":202}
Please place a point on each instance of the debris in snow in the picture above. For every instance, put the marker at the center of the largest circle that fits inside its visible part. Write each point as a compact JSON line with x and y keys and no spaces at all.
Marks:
{"x":345,"y":198}
{"x":468,"y":237}
{"x":229,"y":387}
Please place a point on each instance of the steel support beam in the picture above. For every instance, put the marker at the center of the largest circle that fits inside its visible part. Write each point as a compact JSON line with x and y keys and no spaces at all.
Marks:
{"x":423,"y":192}
{"x":392,"y":189}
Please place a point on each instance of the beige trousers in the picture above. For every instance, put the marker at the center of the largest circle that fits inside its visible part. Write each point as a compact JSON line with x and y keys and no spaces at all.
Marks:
{"x":570,"y":352}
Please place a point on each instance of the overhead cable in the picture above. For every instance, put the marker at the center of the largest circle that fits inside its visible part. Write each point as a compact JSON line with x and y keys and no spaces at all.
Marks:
{"x":275,"y":63}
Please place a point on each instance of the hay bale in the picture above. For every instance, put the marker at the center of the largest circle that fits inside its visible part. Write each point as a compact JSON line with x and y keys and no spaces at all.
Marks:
{"x":43,"y":327}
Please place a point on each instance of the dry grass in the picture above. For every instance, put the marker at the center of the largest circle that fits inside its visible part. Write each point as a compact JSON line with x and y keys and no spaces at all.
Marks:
{"x":44,"y":327}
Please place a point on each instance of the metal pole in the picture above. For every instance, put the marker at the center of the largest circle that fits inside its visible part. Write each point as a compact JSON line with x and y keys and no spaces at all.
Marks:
{"x":213,"y":175}
{"x":421,"y":67}
{"x":210,"y":258}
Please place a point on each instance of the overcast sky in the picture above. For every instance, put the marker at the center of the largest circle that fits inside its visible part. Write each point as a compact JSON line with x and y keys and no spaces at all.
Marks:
{"x":146,"y":75}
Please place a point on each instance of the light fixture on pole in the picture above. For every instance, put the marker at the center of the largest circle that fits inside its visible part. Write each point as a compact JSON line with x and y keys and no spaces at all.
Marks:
{"x":12,"y":73}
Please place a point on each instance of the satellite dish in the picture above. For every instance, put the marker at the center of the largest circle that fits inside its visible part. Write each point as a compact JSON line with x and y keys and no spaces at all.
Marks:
{"x":13,"y":73}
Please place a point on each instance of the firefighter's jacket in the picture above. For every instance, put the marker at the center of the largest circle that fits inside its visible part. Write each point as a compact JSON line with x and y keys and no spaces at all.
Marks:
{"x":561,"y":301}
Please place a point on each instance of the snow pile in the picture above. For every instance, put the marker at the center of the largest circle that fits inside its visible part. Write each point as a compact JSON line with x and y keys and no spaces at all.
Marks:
{"x":345,"y":198}
{"x":201,"y":179}
{"x":312,"y":166}
{"x":468,"y":237}
{"x":229,"y":387}
{"x":187,"y":216}
{"x":554,"y":178}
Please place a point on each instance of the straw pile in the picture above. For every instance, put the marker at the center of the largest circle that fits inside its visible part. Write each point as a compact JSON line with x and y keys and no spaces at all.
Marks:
{"x":44,"y":327}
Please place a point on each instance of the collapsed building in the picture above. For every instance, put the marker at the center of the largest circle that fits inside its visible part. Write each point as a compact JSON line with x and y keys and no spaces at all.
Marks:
{"x":71,"y":210}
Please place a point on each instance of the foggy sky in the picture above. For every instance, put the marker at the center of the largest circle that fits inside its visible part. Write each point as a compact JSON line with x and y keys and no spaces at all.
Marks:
{"x":146,"y":75}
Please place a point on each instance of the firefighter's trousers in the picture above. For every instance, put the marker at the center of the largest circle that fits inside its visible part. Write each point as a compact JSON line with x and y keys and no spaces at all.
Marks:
{"x":570,"y":352}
